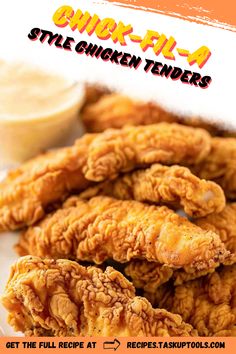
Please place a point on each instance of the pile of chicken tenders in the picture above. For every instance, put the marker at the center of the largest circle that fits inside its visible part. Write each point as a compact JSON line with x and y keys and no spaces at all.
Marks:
{"x":129,"y":232}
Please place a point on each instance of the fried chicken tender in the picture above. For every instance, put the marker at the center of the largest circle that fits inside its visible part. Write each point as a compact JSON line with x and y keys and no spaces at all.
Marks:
{"x":27,"y":192}
{"x":116,"y":110}
{"x":186,"y":274}
{"x":62,"y":298}
{"x":208,"y":303}
{"x":220,"y":165}
{"x":174,"y":185}
{"x":93,"y":93}
{"x":104,"y":110}
{"x":149,"y":275}
{"x":116,"y":151}
{"x":224,"y":224}
{"x":105,"y":228}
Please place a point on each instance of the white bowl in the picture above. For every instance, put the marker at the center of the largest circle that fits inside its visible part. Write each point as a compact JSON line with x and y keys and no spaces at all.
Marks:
{"x":38,"y":111}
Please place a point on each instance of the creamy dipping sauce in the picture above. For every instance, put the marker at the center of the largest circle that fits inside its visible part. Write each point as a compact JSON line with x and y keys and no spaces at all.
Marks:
{"x":38,"y":110}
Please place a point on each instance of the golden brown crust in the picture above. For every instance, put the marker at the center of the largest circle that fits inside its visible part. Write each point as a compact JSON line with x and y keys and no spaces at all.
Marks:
{"x":116,"y":110}
{"x":28,"y":191}
{"x":104,"y":110}
{"x":104,"y":228}
{"x":117,"y":151}
{"x":220,"y":165}
{"x":173,"y":185}
{"x":186,"y":274}
{"x":208,"y":303}
{"x":62,"y":298}
{"x":93,"y":93}
{"x":224,"y":224}
{"x":148,"y":275}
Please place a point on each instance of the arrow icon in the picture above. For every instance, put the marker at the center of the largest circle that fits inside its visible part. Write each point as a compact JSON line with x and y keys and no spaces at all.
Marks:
{"x":111,"y":345}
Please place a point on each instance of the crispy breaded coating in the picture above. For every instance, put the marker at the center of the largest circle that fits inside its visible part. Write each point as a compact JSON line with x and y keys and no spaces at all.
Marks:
{"x":163,"y":295}
{"x":183,"y":275}
{"x":93,"y":93}
{"x":28,"y":192}
{"x":104,"y":109}
{"x":116,"y":151}
{"x":116,"y":110}
{"x":220,"y":165}
{"x":148,"y":275}
{"x":208,"y":303}
{"x":174,"y":185}
{"x":62,"y":298}
{"x":224,"y":224}
{"x":105,"y":228}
